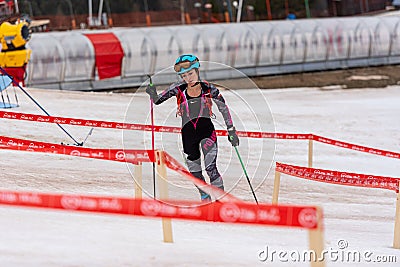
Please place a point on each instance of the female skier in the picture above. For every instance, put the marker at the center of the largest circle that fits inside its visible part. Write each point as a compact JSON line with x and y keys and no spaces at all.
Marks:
{"x":194,"y":97}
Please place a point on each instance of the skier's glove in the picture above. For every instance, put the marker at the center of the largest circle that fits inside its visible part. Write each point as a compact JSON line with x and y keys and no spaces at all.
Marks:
{"x":232,"y":136}
{"x":152,"y":92}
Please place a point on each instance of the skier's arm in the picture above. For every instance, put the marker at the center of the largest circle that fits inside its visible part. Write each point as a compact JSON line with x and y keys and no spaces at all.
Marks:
{"x":171,"y":91}
{"x":222,"y":106}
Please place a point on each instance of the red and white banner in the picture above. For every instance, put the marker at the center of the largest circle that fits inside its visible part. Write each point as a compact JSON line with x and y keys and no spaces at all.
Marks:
{"x":130,"y":156}
{"x":171,"y":129}
{"x":275,"y":215}
{"x":88,"y":123}
{"x":136,"y":126}
{"x":213,"y":191}
{"x":123,"y":155}
{"x":337,"y":177}
{"x":364,"y":149}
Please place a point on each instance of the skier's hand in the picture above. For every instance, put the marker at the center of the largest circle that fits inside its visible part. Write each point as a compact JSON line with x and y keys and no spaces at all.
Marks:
{"x":152,"y":92}
{"x":232,"y":136}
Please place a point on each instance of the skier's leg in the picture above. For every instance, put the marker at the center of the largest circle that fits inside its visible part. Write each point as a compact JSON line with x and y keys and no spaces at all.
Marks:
{"x":195,"y":169}
{"x":210,"y":150}
{"x":193,"y":162}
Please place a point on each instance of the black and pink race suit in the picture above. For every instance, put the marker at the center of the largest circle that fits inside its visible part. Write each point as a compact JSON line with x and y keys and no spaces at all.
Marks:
{"x":197,"y":128}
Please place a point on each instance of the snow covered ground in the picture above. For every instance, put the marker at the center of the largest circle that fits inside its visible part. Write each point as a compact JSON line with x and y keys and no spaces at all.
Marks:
{"x":362,"y":217}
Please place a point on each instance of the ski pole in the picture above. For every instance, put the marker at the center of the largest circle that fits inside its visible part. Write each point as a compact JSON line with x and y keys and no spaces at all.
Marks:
{"x":87,"y":136}
{"x":152,"y":140}
{"x":245,"y":173}
{"x":37,"y":104}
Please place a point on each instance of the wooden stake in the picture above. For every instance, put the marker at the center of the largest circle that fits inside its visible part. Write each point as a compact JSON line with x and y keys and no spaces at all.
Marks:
{"x":163,"y":192}
{"x":277,"y":183}
{"x":396,"y":239}
{"x":316,"y":241}
{"x":137,"y":175}
{"x":310,"y":153}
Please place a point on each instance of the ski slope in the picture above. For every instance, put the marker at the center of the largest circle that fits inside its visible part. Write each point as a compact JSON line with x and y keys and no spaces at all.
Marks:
{"x":362,"y":217}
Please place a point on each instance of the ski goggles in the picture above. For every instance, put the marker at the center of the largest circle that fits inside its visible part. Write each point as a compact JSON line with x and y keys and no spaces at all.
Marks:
{"x":185,"y":63}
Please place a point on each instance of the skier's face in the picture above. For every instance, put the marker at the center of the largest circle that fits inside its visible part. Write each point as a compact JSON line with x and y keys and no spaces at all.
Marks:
{"x":190,"y":77}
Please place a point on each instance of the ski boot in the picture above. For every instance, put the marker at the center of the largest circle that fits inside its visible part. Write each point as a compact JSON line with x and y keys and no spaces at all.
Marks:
{"x":205,"y":197}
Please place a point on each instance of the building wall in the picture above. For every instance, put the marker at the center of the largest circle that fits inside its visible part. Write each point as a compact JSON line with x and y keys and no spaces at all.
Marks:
{"x":354,"y":7}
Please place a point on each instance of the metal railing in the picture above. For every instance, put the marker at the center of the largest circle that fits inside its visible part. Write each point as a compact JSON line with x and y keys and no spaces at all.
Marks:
{"x":66,"y":60}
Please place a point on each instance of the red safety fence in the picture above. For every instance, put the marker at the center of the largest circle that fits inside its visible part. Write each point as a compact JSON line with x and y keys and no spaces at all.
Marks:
{"x":170,"y":129}
{"x":282,"y":215}
{"x":337,"y":177}
{"x":136,"y":126}
{"x":217,"y":193}
{"x":122,"y":155}
{"x":364,"y":149}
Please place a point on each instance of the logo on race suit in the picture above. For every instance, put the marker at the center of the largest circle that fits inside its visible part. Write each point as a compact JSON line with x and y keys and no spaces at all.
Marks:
{"x":150,"y":208}
{"x":75,"y":153}
{"x":71,"y":202}
{"x":120,"y":155}
{"x":229,"y":213}
{"x":308,"y":218}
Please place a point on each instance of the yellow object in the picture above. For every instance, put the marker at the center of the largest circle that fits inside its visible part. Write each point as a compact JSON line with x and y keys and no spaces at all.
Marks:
{"x":13,"y":38}
{"x":16,"y":58}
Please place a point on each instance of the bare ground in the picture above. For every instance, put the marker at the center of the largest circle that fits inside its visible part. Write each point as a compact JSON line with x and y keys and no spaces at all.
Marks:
{"x":375,"y":77}
{"x":371,"y":77}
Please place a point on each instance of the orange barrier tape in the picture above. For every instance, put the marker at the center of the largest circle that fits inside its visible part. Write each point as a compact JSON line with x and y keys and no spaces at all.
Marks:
{"x":337,"y":177}
{"x":123,"y":155}
{"x":276,"y":215}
